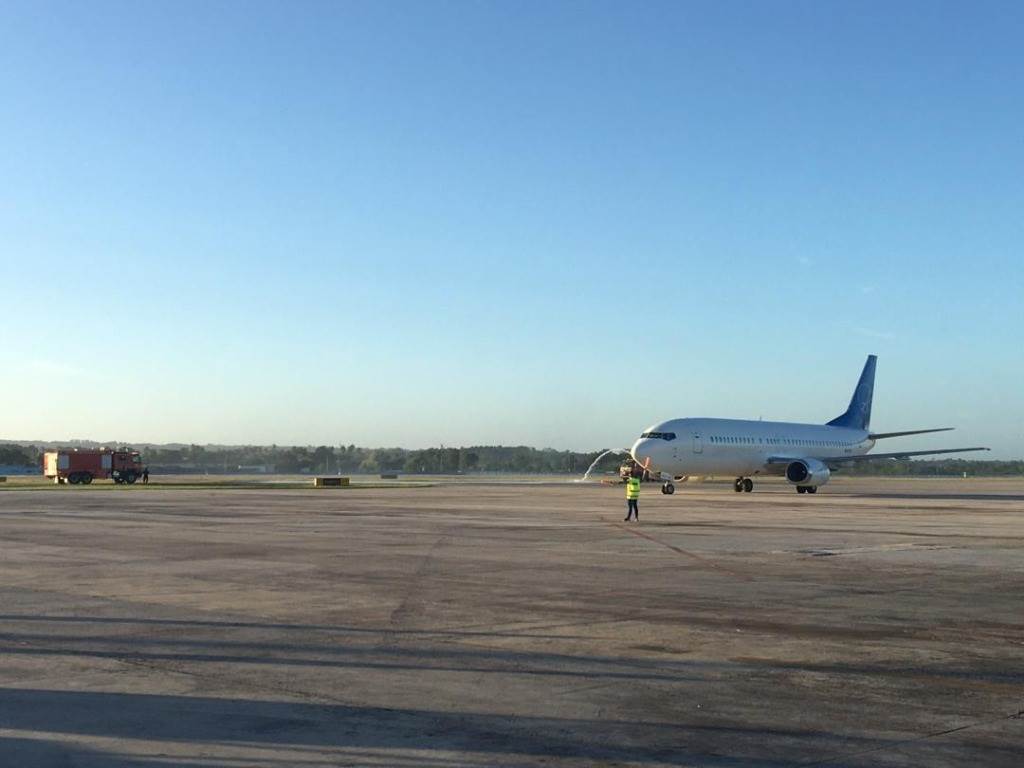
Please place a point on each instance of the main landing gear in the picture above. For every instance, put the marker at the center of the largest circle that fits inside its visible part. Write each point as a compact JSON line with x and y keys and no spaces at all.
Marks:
{"x":807,"y":489}
{"x":743,"y":485}
{"x":668,"y":489}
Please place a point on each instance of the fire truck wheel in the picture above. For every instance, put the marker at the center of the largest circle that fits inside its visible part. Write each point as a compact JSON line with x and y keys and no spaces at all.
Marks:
{"x":73,"y":478}
{"x":130,"y":478}
{"x":86,"y":478}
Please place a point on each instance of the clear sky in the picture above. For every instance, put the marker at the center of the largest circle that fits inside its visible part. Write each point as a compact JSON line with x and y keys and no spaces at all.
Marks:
{"x":521,"y":222}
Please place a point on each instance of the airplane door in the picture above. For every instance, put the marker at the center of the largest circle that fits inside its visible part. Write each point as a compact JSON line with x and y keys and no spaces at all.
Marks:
{"x":698,"y":446}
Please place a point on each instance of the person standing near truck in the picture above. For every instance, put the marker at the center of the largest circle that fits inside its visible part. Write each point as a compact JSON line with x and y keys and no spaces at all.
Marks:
{"x":145,"y":475}
{"x":632,"y":495}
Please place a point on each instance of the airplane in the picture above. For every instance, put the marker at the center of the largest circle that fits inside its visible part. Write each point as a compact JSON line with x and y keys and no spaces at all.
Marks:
{"x":805,"y":454}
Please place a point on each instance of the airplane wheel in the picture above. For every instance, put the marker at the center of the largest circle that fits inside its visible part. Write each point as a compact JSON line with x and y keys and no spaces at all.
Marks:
{"x":801,"y":489}
{"x":812,"y":489}
{"x":668,"y":489}
{"x":748,"y":485}
{"x":738,"y":485}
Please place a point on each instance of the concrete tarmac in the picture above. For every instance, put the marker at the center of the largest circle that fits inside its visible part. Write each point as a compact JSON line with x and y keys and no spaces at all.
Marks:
{"x":877,"y":623}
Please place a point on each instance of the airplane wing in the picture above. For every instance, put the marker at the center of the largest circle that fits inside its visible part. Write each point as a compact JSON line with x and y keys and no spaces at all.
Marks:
{"x":883,"y":435}
{"x":869,"y":456}
{"x":898,"y":455}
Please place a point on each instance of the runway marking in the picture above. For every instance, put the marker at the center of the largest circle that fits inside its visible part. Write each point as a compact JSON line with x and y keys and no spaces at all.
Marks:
{"x":680,"y":551}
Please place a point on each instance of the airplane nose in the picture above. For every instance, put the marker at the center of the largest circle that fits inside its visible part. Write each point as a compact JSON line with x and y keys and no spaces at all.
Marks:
{"x":641,"y":452}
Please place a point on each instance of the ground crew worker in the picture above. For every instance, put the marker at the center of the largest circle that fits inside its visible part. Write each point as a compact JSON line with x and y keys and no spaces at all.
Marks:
{"x":632,"y":494}
{"x":145,"y":475}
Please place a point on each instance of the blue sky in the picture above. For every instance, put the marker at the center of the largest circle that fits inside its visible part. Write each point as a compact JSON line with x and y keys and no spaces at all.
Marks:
{"x":532,"y":222}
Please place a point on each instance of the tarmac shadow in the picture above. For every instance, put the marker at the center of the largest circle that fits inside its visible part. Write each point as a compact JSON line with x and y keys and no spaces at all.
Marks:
{"x":282,"y":726}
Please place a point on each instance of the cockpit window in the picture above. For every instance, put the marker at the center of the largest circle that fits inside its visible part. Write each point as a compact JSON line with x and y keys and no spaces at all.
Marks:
{"x":659,"y":435}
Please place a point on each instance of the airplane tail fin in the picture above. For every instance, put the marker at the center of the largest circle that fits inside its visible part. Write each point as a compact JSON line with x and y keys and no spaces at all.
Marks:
{"x":858,"y":415}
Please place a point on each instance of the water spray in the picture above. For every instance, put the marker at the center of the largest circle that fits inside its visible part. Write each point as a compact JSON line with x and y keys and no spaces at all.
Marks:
{"x":586,"y":475}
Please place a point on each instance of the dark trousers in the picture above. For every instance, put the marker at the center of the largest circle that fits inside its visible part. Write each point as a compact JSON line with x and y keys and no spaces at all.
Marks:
{"x":632,"y":509}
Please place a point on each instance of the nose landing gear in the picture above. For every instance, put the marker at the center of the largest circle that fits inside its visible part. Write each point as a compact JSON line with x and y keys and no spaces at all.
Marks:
{"x":668,"y":489}
{"x":743,"y":485}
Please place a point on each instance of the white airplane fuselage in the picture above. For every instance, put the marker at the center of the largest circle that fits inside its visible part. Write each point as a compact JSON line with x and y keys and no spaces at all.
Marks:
{"x":805,"y":454}
{"x":738,"y":448}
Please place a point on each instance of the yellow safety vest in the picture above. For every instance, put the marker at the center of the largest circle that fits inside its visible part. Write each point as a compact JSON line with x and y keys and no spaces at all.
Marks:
{"x":633,"y":488}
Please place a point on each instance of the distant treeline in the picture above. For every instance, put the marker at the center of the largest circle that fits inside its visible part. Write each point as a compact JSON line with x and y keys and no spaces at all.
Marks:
{"x":481,"y":458}
{"x":329,"y":459}
{"x":351,"y":458}
{"x":935,"y":468}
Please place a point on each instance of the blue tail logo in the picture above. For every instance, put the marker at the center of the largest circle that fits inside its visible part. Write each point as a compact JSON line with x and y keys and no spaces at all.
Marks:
{"x":858,"y":415}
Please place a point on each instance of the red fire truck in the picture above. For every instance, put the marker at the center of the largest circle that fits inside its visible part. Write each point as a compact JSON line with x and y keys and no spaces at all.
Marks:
{"x":122,"y":465}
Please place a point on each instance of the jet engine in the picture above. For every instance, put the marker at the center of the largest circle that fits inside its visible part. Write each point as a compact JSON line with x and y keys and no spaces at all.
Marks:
{"x":807,"y":472}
